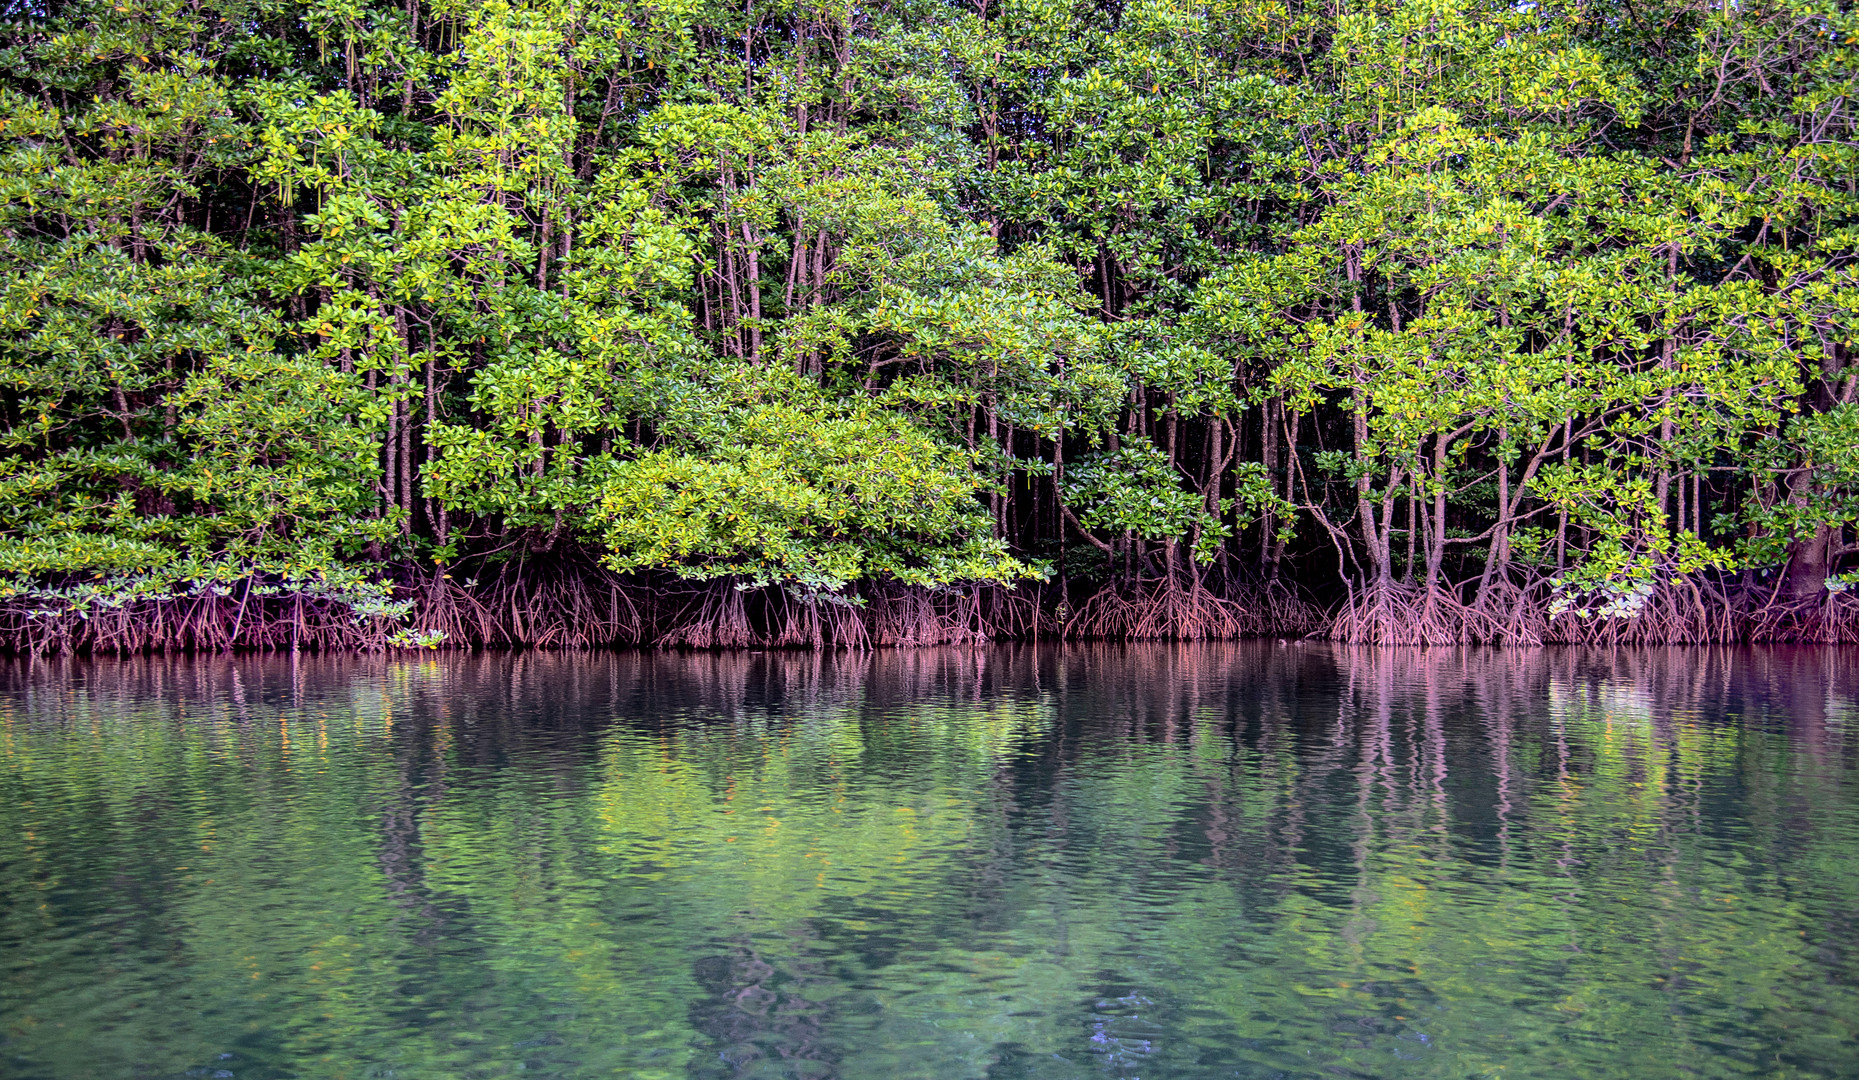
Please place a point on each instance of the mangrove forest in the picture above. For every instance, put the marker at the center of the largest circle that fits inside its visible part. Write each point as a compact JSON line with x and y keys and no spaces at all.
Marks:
{"x":564,"y":323}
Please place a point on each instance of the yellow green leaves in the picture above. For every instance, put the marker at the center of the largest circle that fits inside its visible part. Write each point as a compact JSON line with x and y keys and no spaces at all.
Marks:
{"x":1136,"y":489}
{"x":783,"y":485}
{"x":822,"y":293}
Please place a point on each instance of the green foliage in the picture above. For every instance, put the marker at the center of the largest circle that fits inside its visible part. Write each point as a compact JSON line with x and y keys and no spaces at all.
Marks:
{"x":1134,"y":489}
{"x":1819,"y":454}
{"x":822,"y":296}
{"x":768,"y":479}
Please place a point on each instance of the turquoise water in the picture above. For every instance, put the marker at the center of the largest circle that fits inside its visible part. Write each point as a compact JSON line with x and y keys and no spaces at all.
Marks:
{"x":1245,"y":860}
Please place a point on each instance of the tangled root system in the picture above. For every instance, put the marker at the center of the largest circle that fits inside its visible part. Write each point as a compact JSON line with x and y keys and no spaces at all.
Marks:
{"x":1676,"y":612}
{"x":572,"y":607}
{"x":912,"y":615}
{"x":1397,"y":613}
{"x":1160,"y":610}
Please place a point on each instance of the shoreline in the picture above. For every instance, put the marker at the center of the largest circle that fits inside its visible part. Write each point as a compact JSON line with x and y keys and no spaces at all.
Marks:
{"x":567,"y":611}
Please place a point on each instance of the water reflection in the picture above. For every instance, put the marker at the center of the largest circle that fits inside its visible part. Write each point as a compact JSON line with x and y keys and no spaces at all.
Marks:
{"x":1246,"y":859}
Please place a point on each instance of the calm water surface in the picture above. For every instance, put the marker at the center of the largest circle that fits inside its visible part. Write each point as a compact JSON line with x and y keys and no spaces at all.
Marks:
{"x":1246,"y":860}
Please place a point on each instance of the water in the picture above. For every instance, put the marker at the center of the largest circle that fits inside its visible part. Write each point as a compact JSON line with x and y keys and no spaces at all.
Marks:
{"x":1247,"y":860}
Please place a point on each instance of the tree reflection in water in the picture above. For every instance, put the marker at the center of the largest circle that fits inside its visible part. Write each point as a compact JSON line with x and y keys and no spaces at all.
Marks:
{"x":1155,"y":861}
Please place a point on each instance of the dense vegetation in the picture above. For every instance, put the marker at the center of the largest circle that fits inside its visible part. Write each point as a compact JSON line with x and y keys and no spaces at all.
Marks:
{"x":577,"y":321}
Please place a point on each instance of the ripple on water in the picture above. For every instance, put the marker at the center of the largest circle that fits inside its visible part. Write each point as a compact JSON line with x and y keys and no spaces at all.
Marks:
{"x":1139,"y":862}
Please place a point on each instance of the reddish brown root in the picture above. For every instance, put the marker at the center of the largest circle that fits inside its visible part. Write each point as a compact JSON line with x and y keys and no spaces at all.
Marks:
{"x":1392,"y":613}
{"x":717,"y":619}
{"x":578,"y":607}
{"x":912,"y":615}
{"x":212,"y":620}
{"x":1830,"y":617}
{"x":1276,"y":610}
{"x":816,"y":621}
{"x":1163,"y":610}
{"x":574,"y":608}
{"x":1508,"y":615}
{"x":1676,"y":612}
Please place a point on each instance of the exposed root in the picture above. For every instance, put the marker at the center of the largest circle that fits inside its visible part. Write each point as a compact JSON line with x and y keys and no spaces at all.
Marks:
{"x":1392,"y":613}
{"x":574,"y":606}
{"x":912,"y":615}
{"x":1277,"y":610}
{"x":1831,"y":617}
{"x":717,"y":619}
{"x":1679,"y":611}
{"x":1011,"y":614}
{"x":1509,"y":615}
{"x":1163,"y":610}
{"x":815,"y":621}
{"x":565,"y":607}
{"x":211,"y":619}
{"x":456,"y":612}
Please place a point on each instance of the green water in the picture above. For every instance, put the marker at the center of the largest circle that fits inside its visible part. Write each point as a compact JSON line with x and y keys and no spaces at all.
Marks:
{"x":1250,"y":860}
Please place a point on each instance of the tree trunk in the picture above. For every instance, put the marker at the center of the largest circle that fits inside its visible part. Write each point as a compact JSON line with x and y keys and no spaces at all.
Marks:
{"x":1810,"y":563}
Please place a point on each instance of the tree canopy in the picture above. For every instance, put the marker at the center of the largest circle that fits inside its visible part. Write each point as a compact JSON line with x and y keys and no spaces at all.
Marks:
{"x":1472,"y":321}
